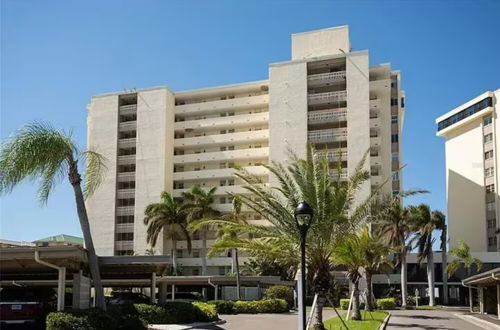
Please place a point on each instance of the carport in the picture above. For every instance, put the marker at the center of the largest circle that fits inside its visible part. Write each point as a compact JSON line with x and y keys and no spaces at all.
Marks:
{"x":488,"y":286}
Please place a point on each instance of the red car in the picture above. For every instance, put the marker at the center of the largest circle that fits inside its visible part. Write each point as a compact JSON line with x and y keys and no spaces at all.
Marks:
{"x":26,"y":305}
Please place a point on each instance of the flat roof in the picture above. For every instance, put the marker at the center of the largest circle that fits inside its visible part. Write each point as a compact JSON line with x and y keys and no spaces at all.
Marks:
{"x":491,"y":277}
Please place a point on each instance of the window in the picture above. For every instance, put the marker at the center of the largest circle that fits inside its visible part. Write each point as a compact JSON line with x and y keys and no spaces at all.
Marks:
{"x":394,"y":138}
{"x":487,"y":121}
{"x":196,"y":254}
{"x":489,"y":171}
{"x":179,"y":185}
{"x":222,"y":148}
{"x":179,"y":253}
{"x":230,"y":113}
{"x":488,"y":154}
{"x":126,"y":185}
{"x":223,"y":131}
{"x":394,"y":101}
{"x":395,"y":155}
{"x":222,"y":183}
{"x":223,"y":114}
{"x":125,"y":219}
{"x":126,"y":202}
{"x":394,"y":119}
{"x":231,"y":165}
{"x":488,"y":138}
{"x":196,"y":272}
{"x":230,"y":148}
{"x":467,"y":112}
{"x":126,"y":168}
{"x":395,"y":176}
{"x":231,"y":130}
{"x":492,"y":223}
{"x":222,"y":200}
{"x":402,"y":102}
{"x":125,"y":236}
{"x":126,"y":151}
{"x":230,"y":182}
{"x":222,"y":270}
{"x":222,"y":165}
{"x":492,"y":241}
{"x":490,"y":206}
{"x":197,"y":168}
{"x":490,"y":188}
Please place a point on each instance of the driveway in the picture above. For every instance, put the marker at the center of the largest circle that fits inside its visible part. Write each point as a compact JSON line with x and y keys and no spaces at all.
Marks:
{"x":428,"y":320}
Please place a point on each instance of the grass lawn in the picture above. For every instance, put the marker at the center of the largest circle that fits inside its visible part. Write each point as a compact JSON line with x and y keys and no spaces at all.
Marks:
{"x":427,"y":307}
{"x":365,"y":324}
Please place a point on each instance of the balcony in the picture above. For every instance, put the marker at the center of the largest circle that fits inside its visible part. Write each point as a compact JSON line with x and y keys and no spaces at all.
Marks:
{"x":327,"y":116}
{"x":335,"y":155}
{"x":125,"y":210}
{"x":327,"y":98}
{"x":374,"y":122}
{"x":327,"y":135}
{"x":127,"y":126}
{"x":221,"y":191}
{"x":375,"y":103}
{"x":125,"y":193}
{"x":376,"y":160}
{"x":124,"y":245}
{"x":124,"y":228}
{"x":126,"y":160}
{"x":261,"y":118}
{"x":217,"y":261}
{"x":229,"y":155}
{"x":328,"y":78}
{"x":220,"y":139}
{"x":240,"y":103}
{"x":375,"y":141}
{"x":343,"y":174}
{"x":127,"y":143}
{"x":126,"y":176}
{"x":128,"y":109}
{"x":217,"y":173}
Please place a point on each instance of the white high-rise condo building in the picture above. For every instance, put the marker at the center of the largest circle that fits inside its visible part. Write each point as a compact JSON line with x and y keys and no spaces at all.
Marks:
{"x":471,"y":132}
{"x":158,"y":140}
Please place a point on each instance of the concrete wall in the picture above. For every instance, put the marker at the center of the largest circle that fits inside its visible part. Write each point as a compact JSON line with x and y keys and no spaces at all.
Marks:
{"x":154,"y":166}
{"x":102,"y":136}
{"x":287,"y":110}
{"x":358,"y":118}
{"x":320,"y":42}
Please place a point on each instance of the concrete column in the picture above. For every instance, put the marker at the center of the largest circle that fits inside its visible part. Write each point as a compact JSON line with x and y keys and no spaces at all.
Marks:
{"x":162,"y":292}
{"x":299,"y":300}
{"x":61,"y":288}
{"x":481,"y":300}
{"x":498,"y":301}
{"x":471,"y":301}
{"x":216,"y":291}
{"x":153,"y":288}
{"x":173,"y":292}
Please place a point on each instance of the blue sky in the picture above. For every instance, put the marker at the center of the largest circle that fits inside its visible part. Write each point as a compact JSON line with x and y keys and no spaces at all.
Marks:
{"x":56,"y":54}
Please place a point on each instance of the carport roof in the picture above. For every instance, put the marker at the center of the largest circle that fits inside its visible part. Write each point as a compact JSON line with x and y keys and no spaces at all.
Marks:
{"x":491,"y":277}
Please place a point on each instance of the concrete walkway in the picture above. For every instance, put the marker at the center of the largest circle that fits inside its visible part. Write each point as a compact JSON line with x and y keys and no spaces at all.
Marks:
{"x":428,"y":320}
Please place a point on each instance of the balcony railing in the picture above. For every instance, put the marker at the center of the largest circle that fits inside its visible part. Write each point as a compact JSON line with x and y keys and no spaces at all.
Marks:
{"x":126,"y":176}
{"x":127,"y":126}
{"x":328,"y":97}
{"x":228,"y":155}
{"x":327,"y":116}
{"x":128,"y":109}
{"x":343,"y":174}
{"x":125,"y":228}
{"x":335,"y":155}
{"x":327,"y":135}
{"x":125,"y":193}
{"x":124,"y":245}
{"x":126,"y":160}
{"x":125,"y":210}
{"x":323,"y":78}
{"x":220,"y":139}
{"x":127,"y":143}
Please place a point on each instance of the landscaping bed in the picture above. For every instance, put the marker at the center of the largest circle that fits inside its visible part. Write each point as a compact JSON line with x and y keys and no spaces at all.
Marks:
{"x":250,"y":307}
{"x":367,"y":323}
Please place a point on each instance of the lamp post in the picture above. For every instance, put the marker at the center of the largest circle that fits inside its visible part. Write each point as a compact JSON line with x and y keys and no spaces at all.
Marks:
{"x":303,"y":219}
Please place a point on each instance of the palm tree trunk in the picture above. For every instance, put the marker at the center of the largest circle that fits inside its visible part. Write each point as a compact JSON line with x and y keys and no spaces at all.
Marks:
{"x":404,"y":284}
{"x":75,"y":179}
{"x":317,"y":320}
{"x":237,"y":266}
{"x":173,"y":254}
{"x":369,"y":291}
{"x":444,"y":262}
{"x":430,"y":277}
{"x":356,"y":313}
{"x":203,"y":252}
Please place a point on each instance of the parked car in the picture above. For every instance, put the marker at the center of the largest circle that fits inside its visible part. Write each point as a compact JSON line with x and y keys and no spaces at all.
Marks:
{"x":127,"y":297}
{"x":185,"y":296}
{"x":26,"y":305}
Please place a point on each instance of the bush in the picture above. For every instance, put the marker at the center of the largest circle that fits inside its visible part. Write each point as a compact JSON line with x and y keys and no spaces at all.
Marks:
{"x":223,"y":306}
{"x":66,"y":321}
{"x":261,"y":306}
{"x":280,"y":292}
{"x":344,"y":303}
{"x":410,"y":301}
{"x":386,"y":303}
{"x":205,"y":312}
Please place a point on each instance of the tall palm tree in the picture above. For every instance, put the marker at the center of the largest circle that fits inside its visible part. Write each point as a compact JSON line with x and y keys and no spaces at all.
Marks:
{"x":349,"y":254}
{"x":198,"y":204}
{"x":424,"y":223}
{"x":375,"y":252}
{"x":441,"y":226}
{"x":462,"y":256}
{"x":39,"y":151}
{"x":168,"y":216}
{"x":226,"y":235}
{"x":336,"y":214}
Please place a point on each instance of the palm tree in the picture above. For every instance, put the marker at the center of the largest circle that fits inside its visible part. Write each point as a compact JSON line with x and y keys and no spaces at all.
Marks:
{"x":198,"y":204}
{"x":226,"y":233}
{"x":375,"y":252}
{"x":335,"y":214}
{"x":40,"y":152}
{"x":424,"y":223}
{"x":168,"y":216}
{"x":441,"y":225}
{"x":462,"y":256}
{"x":349,"y":254}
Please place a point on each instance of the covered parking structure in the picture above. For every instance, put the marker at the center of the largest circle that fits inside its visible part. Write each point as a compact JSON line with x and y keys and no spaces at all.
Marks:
{"x":488,"y":286}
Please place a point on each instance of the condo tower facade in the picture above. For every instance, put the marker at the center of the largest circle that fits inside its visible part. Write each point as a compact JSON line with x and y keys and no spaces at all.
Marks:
{"x":158,"y":140}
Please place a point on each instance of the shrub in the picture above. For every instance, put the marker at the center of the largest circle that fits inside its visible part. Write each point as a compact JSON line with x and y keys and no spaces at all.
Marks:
{"x":66,"y":321}
{"x":205,"y":312}
{"x":386,"y":303}
{"x":280,"y":292}
{"x":410,"y":301}
{"x":261,"y":306}
{"x":344,"y":303}
{"x":223,"y":306}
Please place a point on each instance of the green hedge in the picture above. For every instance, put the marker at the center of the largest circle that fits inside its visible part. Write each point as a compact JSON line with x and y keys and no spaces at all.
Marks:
{"x":136,"y":316}
{"x":223,"y":306}
{"x":281,"y":292}
{"x":261,"y":306}
{"x":344,"y":303}
{"x":386,"y":303}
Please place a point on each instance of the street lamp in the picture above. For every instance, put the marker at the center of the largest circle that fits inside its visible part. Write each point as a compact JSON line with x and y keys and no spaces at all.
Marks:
{"x":303,"y":218}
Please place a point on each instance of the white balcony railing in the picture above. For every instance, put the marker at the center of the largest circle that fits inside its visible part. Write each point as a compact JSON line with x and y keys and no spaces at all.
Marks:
{"x":127,"y":143}
{"x":125,"y":210}
{"x":325,"y":116}
{"x":250,"y":136}
{"x":228,"y":155}
{"x":239,"y":120}
{"x":128,"y":109}
{"x":125,"y":193}
{"x":343,"y":174}
{"x":124,"y":245}
{"x":329,"y":77}
{"x":236,"y":104}
{"x":335,"y":155}
{"x":328,"y":97}
{"x":327,"y":135}
{"x":217,"y":173}
{"x":125,"y":228}
{"x":126,"y":160}
{"x":126,"y":176}
{"x":127,"y":125}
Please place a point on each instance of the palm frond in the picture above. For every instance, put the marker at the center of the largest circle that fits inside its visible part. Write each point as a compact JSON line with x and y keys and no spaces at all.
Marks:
{"x":95,"y":171}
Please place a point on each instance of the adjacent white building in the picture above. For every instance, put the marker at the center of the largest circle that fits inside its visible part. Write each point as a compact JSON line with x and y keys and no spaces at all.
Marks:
{"x":471,"y":132}
{"x":158,"y":140}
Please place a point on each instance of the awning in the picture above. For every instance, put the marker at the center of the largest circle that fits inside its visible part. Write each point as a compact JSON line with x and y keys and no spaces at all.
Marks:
{"x":491,"y":277}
